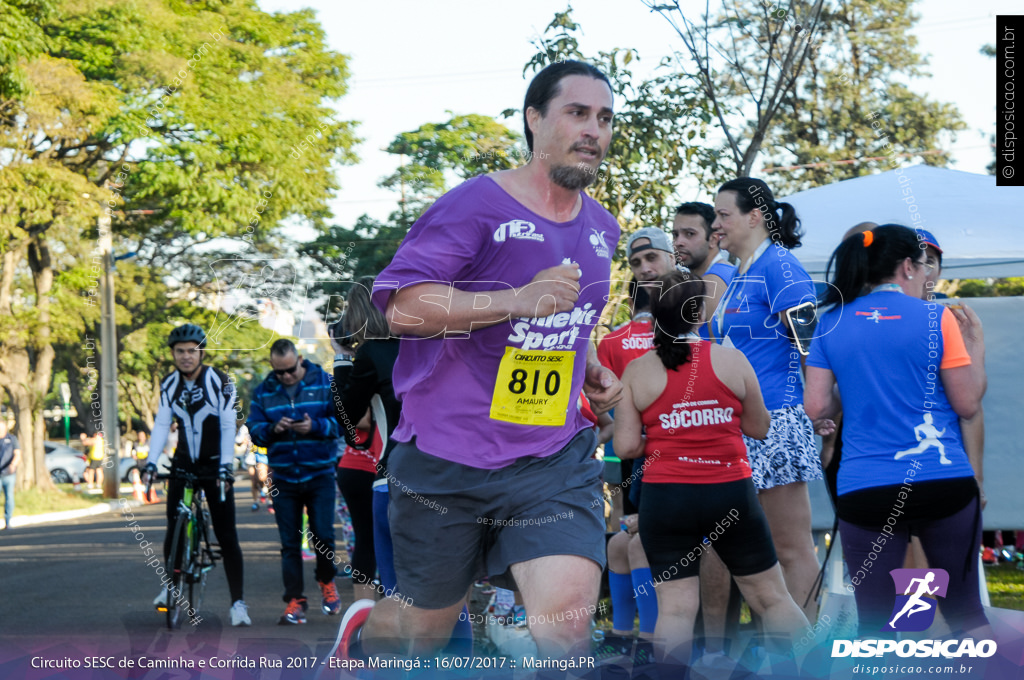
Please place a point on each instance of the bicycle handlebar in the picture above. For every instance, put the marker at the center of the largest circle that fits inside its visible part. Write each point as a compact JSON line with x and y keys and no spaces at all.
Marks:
{"x":177,"y":473}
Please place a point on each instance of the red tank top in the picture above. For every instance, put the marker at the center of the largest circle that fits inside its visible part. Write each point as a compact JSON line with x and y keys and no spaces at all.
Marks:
{"x":362,"y":459}
{"x":693,"y":428}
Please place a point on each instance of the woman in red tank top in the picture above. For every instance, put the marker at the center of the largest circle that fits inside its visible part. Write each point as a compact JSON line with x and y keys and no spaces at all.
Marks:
{"x":685,"y":407}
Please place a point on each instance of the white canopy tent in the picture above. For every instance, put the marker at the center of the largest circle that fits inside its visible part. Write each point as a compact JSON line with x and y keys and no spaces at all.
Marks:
{"x":980,"y":226}
{"x":981,"y":230}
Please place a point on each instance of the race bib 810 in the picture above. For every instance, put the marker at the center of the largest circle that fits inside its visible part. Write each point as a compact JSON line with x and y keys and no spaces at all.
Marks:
{"x":532,"y":387}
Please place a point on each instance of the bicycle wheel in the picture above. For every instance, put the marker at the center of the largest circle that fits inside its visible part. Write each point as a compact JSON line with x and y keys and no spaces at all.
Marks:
{"x":202,"y":558}
{"x":181,"y":556}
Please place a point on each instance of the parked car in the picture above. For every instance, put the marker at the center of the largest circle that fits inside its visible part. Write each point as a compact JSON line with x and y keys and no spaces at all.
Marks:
{"x":126,"y":465}
{"x":65,"y":464}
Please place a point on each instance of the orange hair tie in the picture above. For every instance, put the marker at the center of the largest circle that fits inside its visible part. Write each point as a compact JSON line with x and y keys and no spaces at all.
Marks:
{"x":869,"y":238}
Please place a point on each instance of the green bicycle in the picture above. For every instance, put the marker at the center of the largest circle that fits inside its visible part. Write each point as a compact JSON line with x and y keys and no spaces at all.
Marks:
{"x":192,"y":555}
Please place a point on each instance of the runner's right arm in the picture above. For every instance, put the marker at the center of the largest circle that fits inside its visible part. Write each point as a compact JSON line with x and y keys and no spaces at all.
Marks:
{"x":431,"y":309}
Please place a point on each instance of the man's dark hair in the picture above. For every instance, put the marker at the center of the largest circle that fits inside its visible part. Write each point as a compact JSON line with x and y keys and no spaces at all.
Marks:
{"x":704,"y":210}
{"x":282,"y":347}
{"x":545,"y":86}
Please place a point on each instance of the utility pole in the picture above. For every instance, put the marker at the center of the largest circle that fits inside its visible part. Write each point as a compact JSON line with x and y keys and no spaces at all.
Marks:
{"x":108,"y":364}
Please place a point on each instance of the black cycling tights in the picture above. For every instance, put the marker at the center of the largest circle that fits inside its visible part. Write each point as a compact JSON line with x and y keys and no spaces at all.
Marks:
{"x":223,"y":518}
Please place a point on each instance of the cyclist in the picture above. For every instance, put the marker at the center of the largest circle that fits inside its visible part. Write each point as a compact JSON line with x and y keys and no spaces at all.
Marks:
{"x":201,"y":400}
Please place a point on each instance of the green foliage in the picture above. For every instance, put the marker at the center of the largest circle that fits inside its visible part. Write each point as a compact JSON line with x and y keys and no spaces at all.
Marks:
{"x":1009,"y":287}
{"x":819,"y":88}
{"x":435,"y":153}
{"x":853,"y":104}
{"x":186,"y":122}
{"x":973,"y":288}
{"x":1005,"y":586}
{"x":659,"y":131}
{"x":21,"y":38}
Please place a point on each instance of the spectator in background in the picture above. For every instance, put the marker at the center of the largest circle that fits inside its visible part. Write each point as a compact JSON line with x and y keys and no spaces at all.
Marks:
{"x":363,"y":364}
{"x":94,"y":450}
{"x":292,"y":415}
{"x":696,"y":247}
{"x":10,"y":459}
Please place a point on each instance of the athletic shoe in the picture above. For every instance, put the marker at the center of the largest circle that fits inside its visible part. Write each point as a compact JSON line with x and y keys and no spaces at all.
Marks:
{"x":294,"y":613}
{"x":308,"y":555}
{"x":713,"y":666}
{"x":270,"y":509}
{"x":255,"y":507}
{"x":160,"y":601}
{"x":613,"y":647}
{"x":240,"y":614}
{"x":348,"y":631}
{"x":643,"y":653}
{"x":331,"y":603}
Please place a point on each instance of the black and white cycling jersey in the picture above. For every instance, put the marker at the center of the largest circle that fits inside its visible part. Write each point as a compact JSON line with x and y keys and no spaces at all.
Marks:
{"x":205,"y":413}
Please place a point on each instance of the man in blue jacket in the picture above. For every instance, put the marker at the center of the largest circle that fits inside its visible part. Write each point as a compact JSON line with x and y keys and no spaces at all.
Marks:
{"x":292,"y":416}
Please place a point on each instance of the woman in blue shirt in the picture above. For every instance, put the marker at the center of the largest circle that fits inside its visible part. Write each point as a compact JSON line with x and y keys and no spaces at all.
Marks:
{"x":904,"y":374}
{"x":760,"y":232}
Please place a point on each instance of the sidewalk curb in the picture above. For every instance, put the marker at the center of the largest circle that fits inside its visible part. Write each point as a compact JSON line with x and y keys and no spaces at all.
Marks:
{"x":46,"y":518}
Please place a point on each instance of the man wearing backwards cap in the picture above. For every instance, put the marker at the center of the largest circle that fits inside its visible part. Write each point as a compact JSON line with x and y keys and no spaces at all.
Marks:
{"x":650,"y":254}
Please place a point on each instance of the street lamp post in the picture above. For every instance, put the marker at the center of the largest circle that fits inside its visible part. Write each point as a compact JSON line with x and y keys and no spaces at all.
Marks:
{"x":108,"y":363}
{"x":65,"y":393}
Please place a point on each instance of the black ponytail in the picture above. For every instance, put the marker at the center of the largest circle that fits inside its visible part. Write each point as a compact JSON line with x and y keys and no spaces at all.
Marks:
{"x":780,"y":219}
{"x":676,"y":306}
{"x":866,"y":259}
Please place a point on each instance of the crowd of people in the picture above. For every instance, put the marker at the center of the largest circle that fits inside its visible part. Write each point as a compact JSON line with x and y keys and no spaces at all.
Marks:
{"x":468,"y":394}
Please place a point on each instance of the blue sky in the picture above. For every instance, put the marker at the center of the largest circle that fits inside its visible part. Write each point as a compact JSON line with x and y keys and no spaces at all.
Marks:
{"x":412,"y":61}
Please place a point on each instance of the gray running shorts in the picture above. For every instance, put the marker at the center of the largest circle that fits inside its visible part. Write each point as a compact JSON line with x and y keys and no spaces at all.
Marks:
{"x":452,"y":524}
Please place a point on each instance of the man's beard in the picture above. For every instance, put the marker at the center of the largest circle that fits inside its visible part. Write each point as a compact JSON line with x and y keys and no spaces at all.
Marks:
{"x":573,"y":177}
{"x":694,"y":264}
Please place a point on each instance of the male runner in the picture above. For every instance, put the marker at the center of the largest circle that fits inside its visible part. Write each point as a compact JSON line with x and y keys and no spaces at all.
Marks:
{"x":495,"y":291}
{"x":201,"y":400}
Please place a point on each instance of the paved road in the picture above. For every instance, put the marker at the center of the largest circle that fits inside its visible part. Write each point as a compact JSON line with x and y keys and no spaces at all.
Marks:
{"x":75,"y":588}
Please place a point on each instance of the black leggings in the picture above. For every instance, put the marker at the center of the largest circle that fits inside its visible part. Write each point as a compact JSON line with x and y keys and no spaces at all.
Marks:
{"x":872,"y":553}
{"x":356,"y":487}
{"x":223,"y":517}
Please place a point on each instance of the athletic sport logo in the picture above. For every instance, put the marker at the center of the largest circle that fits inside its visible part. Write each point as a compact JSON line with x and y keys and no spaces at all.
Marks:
{"x":517,"y":229}
{"x":916,"y":593}
{"x":600,"y":245}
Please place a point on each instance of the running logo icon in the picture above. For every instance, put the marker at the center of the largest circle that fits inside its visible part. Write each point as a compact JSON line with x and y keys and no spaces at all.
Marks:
{"x":916,"y":593}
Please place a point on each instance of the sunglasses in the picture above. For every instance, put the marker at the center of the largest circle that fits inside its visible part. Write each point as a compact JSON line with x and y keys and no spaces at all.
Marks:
{"x":282,"y":371}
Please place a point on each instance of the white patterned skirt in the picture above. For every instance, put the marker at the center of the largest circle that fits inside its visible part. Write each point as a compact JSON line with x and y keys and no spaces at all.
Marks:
{"x":788,"y":454}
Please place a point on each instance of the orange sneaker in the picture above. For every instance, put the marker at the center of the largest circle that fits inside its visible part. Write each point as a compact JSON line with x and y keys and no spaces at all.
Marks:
{"x":294,"y":613}
{"x":331,"y":603}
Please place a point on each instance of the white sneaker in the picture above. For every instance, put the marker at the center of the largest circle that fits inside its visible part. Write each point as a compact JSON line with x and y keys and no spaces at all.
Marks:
{"x":160,"y":601}
{"x":240,"y":614}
